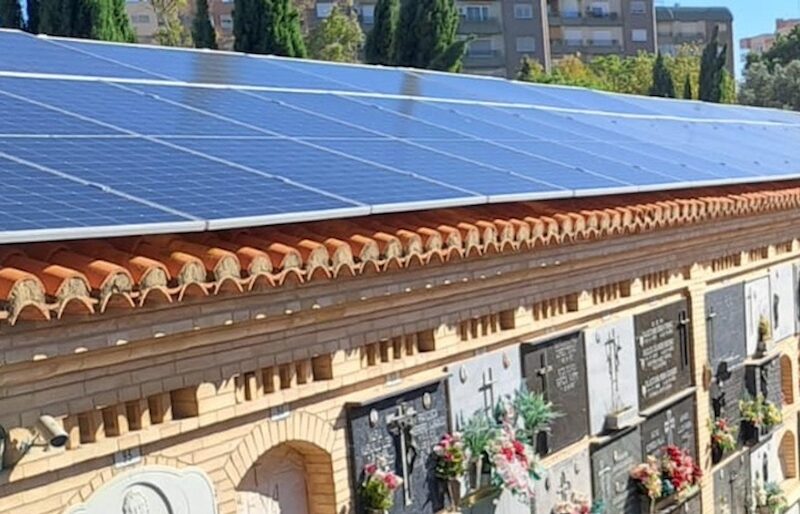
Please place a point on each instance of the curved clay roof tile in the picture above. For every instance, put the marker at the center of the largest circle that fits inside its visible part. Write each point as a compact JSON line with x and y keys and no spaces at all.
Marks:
{"x":20,"y":290}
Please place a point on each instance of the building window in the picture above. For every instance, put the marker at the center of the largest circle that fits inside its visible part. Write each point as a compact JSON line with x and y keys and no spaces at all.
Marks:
{"x":573,"y":37}
{"x":601,"y":38}
{"x":324,"y":9}
{"x":526,"y":44}
{"x":475,"y":12}
{"x":599,"y":9}
{"x":226,"y":22}
{"x":639,"y":35}
{"x":368,"y":13}
{"x":480,"y":48}
{"x":523,"y":11}
{"x":638,"y":7}
{"x":140,"y":18}
{"x":722,"y":28}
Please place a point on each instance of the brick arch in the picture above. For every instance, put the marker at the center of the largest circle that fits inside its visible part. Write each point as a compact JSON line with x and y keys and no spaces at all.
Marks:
{"x":787,"y":390}
{"x":787,"y":454}
{"x":301,"y":428}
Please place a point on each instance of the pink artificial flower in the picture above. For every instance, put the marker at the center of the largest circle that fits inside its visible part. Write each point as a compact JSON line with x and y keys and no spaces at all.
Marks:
{"x":370,"y":469}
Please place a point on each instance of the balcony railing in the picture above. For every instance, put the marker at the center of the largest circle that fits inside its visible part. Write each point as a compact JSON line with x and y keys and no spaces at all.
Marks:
{"x":486,"y":26}
{"x":589,"y":17}
{"x":480,"y":58}
{"x":565,"y":46}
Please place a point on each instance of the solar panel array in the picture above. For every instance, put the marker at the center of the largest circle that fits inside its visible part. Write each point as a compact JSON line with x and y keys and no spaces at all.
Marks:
{"x":107,"y":139}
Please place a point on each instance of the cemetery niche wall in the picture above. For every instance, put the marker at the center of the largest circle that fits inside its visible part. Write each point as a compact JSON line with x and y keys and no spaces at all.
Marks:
{"x":611,"y":465}
{"x":782,"y":289}
{"x":663,"y":353}
{"x":401,"y":431}
{"x":726,"y":327}
{"x":764,"y":378}
{"x":611,"y":375}
{"x":727,"y":388}
{"x":732,"y":486}
{"x":672,"y":426}
{"x":556,"y":369}
{"x":758,"y":316}
{"x":568,"y":480}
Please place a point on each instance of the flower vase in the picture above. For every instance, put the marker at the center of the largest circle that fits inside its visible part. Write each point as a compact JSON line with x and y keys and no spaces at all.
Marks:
{"x":763,"y":510}
{"x":454,"y":492}
{"x":716,"y":453}
{"x":477,"y":466}
{"x":376,"y":511}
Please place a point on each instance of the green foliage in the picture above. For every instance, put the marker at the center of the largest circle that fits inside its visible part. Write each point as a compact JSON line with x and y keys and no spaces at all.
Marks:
{"x":530,"y":70}
{"x":380,"y":45}
{"x":785,"y":50}
{"x":10,"y":14}
{"x":662,"y":80}
{"x":477,"y":433}
{"x":268,"y":27}
{"x":426,"y":35}
{"x":171,"y":30}
{"x":712,"y":70}
{"x":106,"y":20}
{"x":32,"y":25}
{"x":338,"y":38}
{"x":535,"y":413}
{"x":203,"y":33}
{"x":779,"y":87}
{"x":687,"y":88}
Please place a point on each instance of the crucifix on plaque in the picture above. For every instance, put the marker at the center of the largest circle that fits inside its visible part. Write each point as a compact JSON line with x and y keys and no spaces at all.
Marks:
{"x":683,"y":337}
{"x":669,"y":427}
{"x":752,"y":315}
{"x":487,"y":389}
{"x":400,"y":424}
{"x":564,"y":488}
{"x":710,"y":325}
{"x":776,"y":308}
{"x":613,"y":349}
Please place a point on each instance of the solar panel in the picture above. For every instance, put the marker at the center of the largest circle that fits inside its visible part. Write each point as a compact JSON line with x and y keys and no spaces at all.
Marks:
{"x":153,"y":139}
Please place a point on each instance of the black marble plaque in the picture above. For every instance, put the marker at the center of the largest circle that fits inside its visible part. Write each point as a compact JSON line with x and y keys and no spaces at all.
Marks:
{"x":765,"y":379}
{"x":691,"y":506}
{"x":674,"y":425}
{"x":373,"y":432}
{"x":732,"y":486}
{"x":662,"y":352}
{"x":727,"y":388}
{"x":726,"y":329}
{"x":557,"y":369}
{"x":611,"y":465}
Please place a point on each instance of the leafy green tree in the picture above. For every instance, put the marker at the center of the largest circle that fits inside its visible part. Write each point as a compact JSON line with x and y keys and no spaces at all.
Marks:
{"x":268,"y":27}
{"x":10,"y":14}
{"x":203,"y":33}
{"x":687,"y":88}
{"x":785,"y":50}
{"x":379,"y":48}
{"x":778,"y":87}
{"x":106,"y":20}
{"x":712,"y":66}
{"x":338,"y":38}
{"x":530,"y":70}
{"x":171,"y":30}
{"x":685,"y":63}
{"x":32,"y":8}
{"x":426,"y":35}
{"x":662,"y":80}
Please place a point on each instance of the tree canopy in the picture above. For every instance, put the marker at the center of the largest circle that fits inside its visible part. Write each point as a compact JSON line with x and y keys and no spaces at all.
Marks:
{"x":337,"y":38}
{"x":662,"y":79}
{"x":380,"y":45}
{"x":712,"y":70}
{"x":203,"y":34}
{"x":106,"y":20}
{"x":10,"y":14}
{"x":268,"y":27}
{"x":425,"y":36}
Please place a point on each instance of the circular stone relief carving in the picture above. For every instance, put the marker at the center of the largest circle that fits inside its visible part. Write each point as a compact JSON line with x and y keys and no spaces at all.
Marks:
{"x":140,"y":499}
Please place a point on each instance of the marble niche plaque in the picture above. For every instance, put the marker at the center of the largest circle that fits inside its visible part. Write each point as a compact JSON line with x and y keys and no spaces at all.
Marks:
{"x":782,"y":290}
{"x":727,"y":388}
{"x":475,"y":385}
{"x":674,"y":425}
{"x":758,"y":305}
{"x":557,"y":369}
{"x":611,"y":375}
{"x":765,"y":379}
{"x":764,"y":464}
{"x":564,"y":481}
{"x":732,"y":487}
{"x":726,"y":327}
{"x":611,"y":465}
{"x":153,"y":490}
{"x":402,"y":430}
{"x":662,"y":351}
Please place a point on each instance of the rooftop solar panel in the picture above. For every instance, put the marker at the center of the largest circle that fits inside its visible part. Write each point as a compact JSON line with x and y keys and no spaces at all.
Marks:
{"x":192,"y":139}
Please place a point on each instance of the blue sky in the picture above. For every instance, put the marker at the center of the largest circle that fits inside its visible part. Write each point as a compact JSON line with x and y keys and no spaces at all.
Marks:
{"x":750,"y":17}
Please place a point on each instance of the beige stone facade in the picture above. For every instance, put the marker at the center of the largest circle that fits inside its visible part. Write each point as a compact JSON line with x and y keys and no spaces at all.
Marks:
{"x":218,"y":383}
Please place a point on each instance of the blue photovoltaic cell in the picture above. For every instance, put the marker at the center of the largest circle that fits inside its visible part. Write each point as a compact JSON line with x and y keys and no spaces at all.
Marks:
{"x":354,"y":77}
{"x":22,"y":52}
{"x":170,"y":177}
{"x":122,"y":108}
{"x":370,"y":117}
{"x":37,"y":200}
{"x":449,"y":169}
{"x":21,"y":117}
{"x":261,"y":111}
{"x":324,"y":169}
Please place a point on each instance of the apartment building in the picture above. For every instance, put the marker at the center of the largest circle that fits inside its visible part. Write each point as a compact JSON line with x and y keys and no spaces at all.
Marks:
{"x":681,"y":25}
{"x":763,"y":42}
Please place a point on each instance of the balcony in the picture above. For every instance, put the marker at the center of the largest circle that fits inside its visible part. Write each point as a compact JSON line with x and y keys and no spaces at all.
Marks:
{"x":484,"y":59}
{"x":587,"y":46}
{"x":566,"y":46}
{"x":589,"y":17}
{"x":479,"y":27}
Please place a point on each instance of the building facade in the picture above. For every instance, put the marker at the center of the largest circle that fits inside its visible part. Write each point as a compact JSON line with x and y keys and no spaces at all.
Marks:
{"x":694,"y":25}
{"x":763,"y":42}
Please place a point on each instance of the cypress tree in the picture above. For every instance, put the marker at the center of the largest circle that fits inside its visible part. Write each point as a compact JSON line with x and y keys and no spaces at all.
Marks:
{"x":426,"y":35}
{"x":10,"y":14}
{"x":202,"y":31}
{"x":379,"y":48}
{"x":268,"y":27}
{"x":662,"y":79}
{"x":687,"y":88}
{"x":712,"y":66}
{"x":32,"y":25}
{"x":106,"y":20}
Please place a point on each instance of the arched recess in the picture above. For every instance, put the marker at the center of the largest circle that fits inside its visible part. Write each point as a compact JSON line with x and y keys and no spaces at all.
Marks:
{"x":787,"y":453}
{"x":300,"y":434}
{"x":786,"y":380}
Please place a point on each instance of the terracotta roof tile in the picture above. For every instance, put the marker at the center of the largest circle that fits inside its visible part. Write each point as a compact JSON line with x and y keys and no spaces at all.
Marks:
{"x":46,"y":280}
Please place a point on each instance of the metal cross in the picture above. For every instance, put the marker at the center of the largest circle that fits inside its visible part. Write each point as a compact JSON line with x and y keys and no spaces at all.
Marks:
{"x":710,"y":324}
{"x":612,"y":348}
{"x":487,"y":388}
{"x":683,"y":337}
{"x":776,"y":307}
{"x":400,"y":424}
{"x":669,"y":427}
{"x":564,"y":488}
{"x":544,"y":371}
{"x":605,"y":482}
